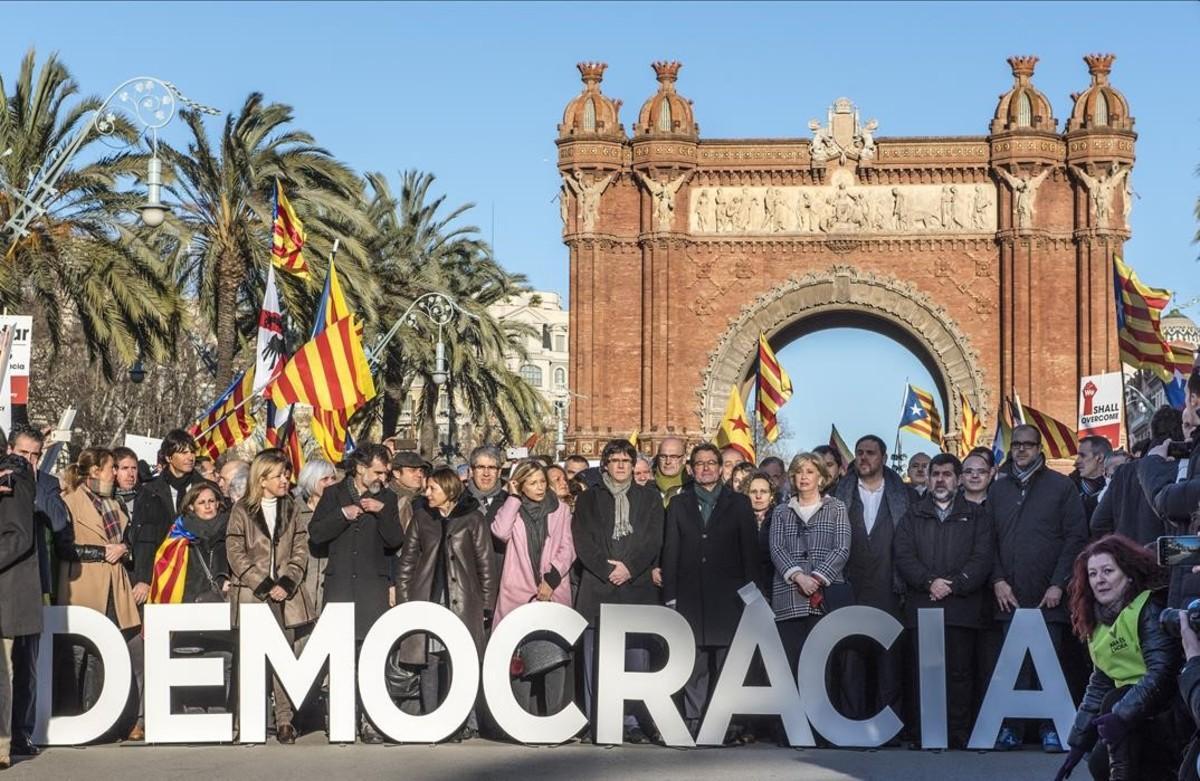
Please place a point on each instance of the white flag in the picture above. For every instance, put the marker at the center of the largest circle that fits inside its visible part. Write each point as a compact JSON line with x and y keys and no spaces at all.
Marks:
{"x":270,"y":353}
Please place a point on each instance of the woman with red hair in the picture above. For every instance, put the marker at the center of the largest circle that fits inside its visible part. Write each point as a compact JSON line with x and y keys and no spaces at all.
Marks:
{"x":1116,"y":598}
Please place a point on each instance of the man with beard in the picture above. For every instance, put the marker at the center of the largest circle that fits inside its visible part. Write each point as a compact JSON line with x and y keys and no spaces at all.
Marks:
{"x":1040,"y":529}
{"x":358,"y":522}
{"x":876,"y":501}
{"x":944,"y":555}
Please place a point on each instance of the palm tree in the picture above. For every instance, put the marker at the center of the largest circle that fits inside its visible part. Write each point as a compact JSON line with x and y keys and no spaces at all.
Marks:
{"x":225,"y":188}
{"x":82,"y":263}
{"x":418,"y":249}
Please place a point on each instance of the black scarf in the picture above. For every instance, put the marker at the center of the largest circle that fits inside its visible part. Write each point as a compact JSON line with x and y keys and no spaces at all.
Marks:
{"x":1023,"y":476}
{"x":180,"y":484}
{"x":1106,"y":614}
{"x":537,"y":528}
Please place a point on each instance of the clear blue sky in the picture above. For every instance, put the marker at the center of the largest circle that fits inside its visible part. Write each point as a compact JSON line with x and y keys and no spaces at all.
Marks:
{"x":472,"y":93}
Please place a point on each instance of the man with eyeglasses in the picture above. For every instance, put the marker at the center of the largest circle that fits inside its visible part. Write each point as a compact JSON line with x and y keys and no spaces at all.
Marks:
{"x":976,"y":478}
{"x":669,"y":476}
{"x":484,"y":484}
{"x":1040,"y":529}
{"x":618,"y":534}
{"x":50,"y":519}
{"x":710,"y":551}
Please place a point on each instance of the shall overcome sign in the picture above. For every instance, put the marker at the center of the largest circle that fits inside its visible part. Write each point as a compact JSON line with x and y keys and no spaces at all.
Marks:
{"x":802,"y":708}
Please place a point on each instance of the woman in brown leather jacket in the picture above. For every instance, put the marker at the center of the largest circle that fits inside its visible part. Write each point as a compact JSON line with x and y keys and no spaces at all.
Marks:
{"x":447,"y":558}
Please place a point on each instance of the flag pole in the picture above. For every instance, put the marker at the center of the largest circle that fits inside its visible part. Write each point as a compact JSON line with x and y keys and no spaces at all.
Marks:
{"x":903,"y":408}
{"x":231,"y":412}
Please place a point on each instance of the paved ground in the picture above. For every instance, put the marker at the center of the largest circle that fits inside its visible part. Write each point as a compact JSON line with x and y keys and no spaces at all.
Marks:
{"x":313,"y":758}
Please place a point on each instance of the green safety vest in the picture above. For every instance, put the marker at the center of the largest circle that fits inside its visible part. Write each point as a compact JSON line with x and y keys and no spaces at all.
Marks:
{"x":1116,"y":650}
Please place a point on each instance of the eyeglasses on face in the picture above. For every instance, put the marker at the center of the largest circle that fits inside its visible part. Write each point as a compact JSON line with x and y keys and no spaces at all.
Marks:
{"x":485,"y":468}
{"x":975,"y":472}
{"x":708,"y":464}
{"x":670,"y":456}
{"x":1020,"y":443}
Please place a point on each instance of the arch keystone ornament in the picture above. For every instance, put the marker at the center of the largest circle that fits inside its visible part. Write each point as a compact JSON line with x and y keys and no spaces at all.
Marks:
{"x":989,"y":256}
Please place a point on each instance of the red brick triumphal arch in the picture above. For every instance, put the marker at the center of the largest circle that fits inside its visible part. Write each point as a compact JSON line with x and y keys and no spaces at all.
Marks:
{"x":990,"y":256}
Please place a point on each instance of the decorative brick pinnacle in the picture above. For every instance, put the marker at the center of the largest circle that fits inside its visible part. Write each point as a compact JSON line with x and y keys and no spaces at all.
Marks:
{"x":1022,"y":66}
{"x":1099,"y":65}
{"x":667,"y":72}
{"x":592,"y":72}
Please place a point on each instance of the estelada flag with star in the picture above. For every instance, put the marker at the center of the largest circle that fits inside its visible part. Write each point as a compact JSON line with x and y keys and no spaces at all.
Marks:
{"x":734,"y":431}
{"x":921,"y":416}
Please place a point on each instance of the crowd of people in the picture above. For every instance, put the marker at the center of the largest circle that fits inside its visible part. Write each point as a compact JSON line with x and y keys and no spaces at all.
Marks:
{"x":685,"y":528}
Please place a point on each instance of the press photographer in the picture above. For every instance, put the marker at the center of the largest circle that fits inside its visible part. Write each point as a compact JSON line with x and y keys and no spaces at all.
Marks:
{"x":1125,"y":717}
{"x":1170,"y":478}
{"x":1189,"y":681}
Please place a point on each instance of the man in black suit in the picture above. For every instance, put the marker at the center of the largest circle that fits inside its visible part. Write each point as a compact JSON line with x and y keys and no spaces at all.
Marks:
{"x":709,"y":552}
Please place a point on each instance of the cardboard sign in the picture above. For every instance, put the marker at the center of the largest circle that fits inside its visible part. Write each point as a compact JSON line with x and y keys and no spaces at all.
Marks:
{"x":1100,"y":407}
{"x":14,"y":387}
{"x":146,"y":447}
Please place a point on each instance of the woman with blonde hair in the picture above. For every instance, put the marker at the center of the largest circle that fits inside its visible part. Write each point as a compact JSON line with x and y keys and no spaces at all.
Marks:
{"x":810,"y":543}
{"x":536,"y":530}
{"x":267,"y":548}
{"x":96,"y":575}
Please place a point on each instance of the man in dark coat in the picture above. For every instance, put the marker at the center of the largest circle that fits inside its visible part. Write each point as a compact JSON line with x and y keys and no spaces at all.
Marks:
{"x":20,"y":583}
{"x":709,"y":552}
{"x":876,"y":501}
{"x":618,"y":534}
{"x":357,"y":522}
{"x":1040,"y":529}
{"x":944,"y":555}
{"x":1124,"y":508}
{"x":158,"y":506}
{"x":50,"y":521}
{"x":1172,"y":486}
{"x":1088,"y":474}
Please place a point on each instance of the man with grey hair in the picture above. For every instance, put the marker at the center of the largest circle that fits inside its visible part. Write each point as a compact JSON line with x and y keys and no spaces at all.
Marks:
{"x":237,"y":480}
{"x":486,"y":462}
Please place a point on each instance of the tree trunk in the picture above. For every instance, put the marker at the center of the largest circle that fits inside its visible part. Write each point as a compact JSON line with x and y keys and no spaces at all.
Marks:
{"x":429,"y":427}
{"x":227,"y":338}
{"x":391,"y":415}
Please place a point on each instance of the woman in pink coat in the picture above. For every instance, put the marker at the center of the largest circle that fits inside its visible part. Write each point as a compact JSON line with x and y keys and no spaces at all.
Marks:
{"x":534,"y":527}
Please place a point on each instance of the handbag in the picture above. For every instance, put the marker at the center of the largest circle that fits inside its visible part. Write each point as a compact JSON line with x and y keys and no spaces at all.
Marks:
{"x":542,"y":652}
{"x":213,"y":592}
{"x":403,"y":683}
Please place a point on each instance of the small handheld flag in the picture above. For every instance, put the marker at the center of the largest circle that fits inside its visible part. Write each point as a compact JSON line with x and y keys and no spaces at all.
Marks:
{"x":921,"y":416}
{"x":734,"y":431}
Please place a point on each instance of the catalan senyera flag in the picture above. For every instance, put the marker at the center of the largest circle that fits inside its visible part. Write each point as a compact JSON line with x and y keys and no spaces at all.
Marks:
{"x":837,"y":443}
{"x":921,"y":415}
{"x":289,"y":443}
{"x":287,"y":239}
{"x":228,"y":421}
{"x":970,"y":427}
{"x":170,"y":566}
{"x":774,"y":389}
{"x":1139,"y":323}
{"x":734,"y":431}
{"x":330,"y":428}
{"x":330,"y":372}
{"x":1058,"y":439}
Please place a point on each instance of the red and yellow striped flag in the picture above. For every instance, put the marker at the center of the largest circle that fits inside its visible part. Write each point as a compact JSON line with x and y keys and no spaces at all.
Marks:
{"x":1058,"y":439}
{"x":970,"y":427}
{"x":1139,"y":323}
{"x":228,"y":421}
{"x":328,"y":373}
{"x":330,"y":427}
{"x":734,"y":431}
{"x":287,"y":236}
{"x":774,"y":389}
{"x":170,"y":566}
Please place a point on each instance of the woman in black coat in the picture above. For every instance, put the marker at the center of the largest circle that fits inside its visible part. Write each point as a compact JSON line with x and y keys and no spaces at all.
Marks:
{"x":1116,"y":599}
{"x":762,"y":496}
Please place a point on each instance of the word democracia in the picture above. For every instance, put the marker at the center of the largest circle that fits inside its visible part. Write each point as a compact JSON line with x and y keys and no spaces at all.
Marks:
{"x":801,"y":701}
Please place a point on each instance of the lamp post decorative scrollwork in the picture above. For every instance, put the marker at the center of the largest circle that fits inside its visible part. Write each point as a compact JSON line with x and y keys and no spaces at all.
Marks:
{"x":149,"y":102}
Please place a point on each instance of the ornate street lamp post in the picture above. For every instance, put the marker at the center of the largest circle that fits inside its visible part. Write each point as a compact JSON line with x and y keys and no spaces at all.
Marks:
{"x":149,"y":102}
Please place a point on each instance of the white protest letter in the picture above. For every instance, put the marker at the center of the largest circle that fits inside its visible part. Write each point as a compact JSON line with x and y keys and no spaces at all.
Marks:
{"x":829,"y":631}
{"x":1026,"y":633}
{"x":616,"y":684}
{"x":756,"y":630}
{"x":931,"y":640}
{"x":262,"y":640}
{"x":464,"y":678}
{"x":164,"y":673}
{"x":104,"y":634}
